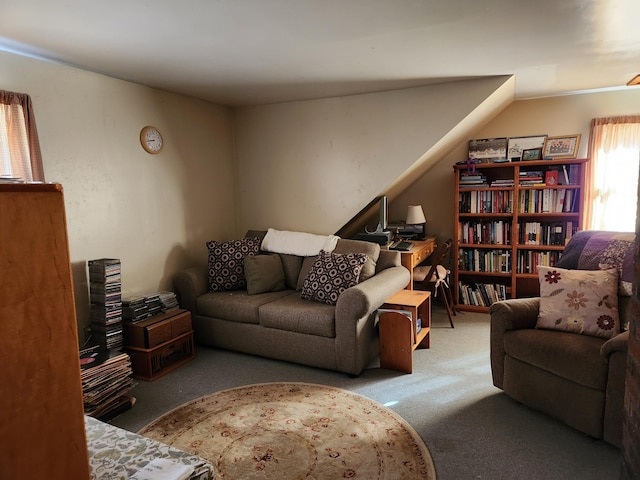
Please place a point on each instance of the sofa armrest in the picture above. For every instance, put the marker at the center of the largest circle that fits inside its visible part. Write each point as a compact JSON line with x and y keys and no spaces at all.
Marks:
{"x":355,"y":322}
{"x":364,"y":298}
{"x":514,"y":314}
{"x":618,"y":343}
{"x":190,"y":284}
{"x":387,"y":259}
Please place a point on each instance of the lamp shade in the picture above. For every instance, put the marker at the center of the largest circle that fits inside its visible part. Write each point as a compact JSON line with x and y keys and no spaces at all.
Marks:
{"x":415,"y":215}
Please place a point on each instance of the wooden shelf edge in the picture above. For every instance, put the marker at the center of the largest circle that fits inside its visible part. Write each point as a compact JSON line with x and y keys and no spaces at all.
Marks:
{"x":471,"y":308}
{"x":524,"y":246}
{"x":422,"y":334}
{"x":496,"y":246}
{"x":485,"y":274}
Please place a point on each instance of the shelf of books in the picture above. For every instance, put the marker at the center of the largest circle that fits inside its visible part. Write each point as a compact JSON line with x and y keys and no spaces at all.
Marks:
{"x":512,"y":217}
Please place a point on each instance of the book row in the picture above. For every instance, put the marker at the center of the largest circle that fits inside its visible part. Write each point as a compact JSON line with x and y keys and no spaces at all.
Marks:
{"x":479,"y":232}
{"x":486,"y":201}
{"x":475,"y":260}
{"x":481,"y":294}
{"x":529,"y":260}
{"x":568,"y":175}
{"x":537,"y":233}
{"x":548,"y":200}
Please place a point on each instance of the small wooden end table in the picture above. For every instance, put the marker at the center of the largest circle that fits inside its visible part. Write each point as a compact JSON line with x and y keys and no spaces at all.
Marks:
{"x":399,"y":334}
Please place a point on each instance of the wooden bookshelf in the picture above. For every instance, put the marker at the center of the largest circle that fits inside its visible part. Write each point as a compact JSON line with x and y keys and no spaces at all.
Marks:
{"x":508,"y":221}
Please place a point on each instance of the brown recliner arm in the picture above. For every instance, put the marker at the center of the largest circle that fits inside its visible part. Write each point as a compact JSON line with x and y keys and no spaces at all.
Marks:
{"x":508,"y":315}
{"x":615,"y":352}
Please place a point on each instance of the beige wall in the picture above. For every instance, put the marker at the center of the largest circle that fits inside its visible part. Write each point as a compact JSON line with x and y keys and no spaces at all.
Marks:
{"x":313,"y":165}
{"x":154,"y":212}
{"x":302,"y":165}
{"x":564,"y":115}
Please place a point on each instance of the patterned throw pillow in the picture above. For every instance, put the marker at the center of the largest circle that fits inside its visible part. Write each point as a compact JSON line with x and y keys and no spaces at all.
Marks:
{"x":331,"y":274}
{"x":579,"y":301}
{"x":226,"y":263}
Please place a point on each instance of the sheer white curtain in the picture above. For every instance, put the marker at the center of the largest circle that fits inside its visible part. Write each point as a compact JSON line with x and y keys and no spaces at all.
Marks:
{"x":612,"y":176}
{"x":20,"y":155}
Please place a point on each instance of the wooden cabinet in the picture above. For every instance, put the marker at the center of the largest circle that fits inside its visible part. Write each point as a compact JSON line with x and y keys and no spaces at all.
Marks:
{"x":159,"y":344}
{"x":510,"y":218}
{"x":42,"y":431}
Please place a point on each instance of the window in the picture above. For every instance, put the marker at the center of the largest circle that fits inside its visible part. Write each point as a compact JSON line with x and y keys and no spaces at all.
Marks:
{"x":19,"y":147}
{"x":612,"y":177}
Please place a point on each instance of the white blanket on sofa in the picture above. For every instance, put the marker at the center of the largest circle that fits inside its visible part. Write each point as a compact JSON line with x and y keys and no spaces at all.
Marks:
{"x":298,"y":243}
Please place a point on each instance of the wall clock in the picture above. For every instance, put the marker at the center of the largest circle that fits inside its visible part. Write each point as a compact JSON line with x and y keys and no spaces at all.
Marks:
{"x":151,"y":139}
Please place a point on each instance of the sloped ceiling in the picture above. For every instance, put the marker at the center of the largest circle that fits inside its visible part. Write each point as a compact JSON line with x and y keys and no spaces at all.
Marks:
{"x":247,"y":52}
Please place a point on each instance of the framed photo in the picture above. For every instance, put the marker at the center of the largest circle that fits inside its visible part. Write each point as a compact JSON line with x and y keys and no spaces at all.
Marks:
{"x":518,"y":144}
{"x":489,"y":149}
{"x":532,"y":154}
{"x":561,"y":147}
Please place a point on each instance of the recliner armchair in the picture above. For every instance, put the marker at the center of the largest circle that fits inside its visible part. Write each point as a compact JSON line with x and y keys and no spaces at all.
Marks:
{"x":578,"y":379}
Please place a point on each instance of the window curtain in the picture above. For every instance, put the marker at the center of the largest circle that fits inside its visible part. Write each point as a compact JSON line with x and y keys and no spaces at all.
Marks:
{"x":19,"y":145}
{"x":612,"y":173}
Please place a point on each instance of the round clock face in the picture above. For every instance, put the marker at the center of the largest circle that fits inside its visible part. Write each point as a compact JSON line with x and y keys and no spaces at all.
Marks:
{"x":151,"y":139}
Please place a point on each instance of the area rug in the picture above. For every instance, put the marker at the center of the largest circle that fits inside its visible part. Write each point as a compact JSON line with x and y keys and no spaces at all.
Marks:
{"x":295,"y":431}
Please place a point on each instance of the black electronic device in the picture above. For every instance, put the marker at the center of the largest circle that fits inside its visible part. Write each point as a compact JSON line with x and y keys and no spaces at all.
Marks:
{"x":401,"y":245}
{"x":381,"y":238}
{"x":408,"y":232}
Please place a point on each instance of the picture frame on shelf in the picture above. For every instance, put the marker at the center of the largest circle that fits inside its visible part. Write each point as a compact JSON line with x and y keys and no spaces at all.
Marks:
{"x":565,"y":146}
{"x":488,"y":149}
{"x":532,"y":154}
{"x":518,"y":144}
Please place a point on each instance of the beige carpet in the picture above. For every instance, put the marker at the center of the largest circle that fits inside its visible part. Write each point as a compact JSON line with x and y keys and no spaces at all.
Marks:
{"x":295,"y":431}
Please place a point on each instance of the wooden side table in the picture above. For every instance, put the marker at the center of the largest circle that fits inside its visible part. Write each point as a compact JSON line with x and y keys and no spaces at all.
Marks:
{"x":399,"y":334}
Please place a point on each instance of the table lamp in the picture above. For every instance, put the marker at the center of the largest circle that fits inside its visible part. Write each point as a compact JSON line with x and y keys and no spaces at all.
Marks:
{"x":415,"y":216}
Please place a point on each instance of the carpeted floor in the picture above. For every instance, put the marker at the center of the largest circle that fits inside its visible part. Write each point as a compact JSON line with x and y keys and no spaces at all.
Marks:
{"x":295,"y":430}
{"x":472,"y":430}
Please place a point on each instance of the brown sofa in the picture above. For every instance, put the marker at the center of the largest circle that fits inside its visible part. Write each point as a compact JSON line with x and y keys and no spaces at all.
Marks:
{"x":578,"y":379}
{"x":282,"y":325}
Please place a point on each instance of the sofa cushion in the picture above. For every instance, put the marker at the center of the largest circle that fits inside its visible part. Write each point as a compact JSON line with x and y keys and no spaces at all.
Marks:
{"x":370,"y":249}
{"x":331,"y":274}
{"x":236,"y":306}
{"x":226,"y":263}
{"x":307,"y":263}
{"x":294,"y":314}
{"x":291,"y":264}
{"x":579,"y":301}
{"x":263,"y":273}
{"x":574,"y":357}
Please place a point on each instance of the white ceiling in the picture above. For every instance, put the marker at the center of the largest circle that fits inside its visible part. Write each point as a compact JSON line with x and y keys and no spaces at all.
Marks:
{"x":243,"y":52}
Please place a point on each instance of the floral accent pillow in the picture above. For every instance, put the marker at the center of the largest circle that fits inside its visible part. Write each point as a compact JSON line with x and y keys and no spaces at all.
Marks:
{"x":331,"y":274}
{"x":226,"y":263}
{"x":579,"y":301}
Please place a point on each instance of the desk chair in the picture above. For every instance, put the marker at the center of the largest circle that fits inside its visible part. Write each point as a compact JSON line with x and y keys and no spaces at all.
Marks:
{"x":434,"y":278}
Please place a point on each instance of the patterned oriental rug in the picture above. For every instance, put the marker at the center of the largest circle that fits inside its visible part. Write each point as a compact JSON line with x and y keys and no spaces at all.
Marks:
{"x":295,"y":431}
